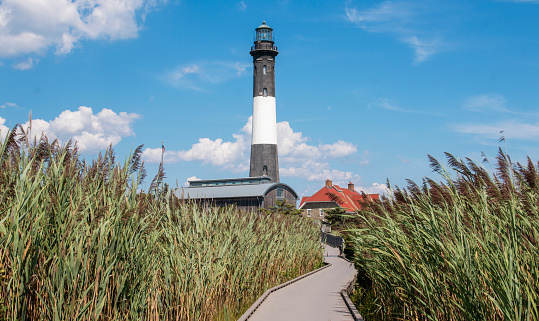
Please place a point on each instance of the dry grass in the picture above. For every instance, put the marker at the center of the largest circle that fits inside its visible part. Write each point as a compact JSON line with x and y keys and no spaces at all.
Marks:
{"x":463,"y":249}
{"x":79,"y":241}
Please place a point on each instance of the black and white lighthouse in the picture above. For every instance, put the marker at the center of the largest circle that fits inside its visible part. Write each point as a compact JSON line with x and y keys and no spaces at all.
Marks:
{"x":262,"y":189}
{"x":264,"y":157}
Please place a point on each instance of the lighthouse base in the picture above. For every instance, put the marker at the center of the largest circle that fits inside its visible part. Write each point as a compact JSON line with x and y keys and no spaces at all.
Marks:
{"x":264,"y":161}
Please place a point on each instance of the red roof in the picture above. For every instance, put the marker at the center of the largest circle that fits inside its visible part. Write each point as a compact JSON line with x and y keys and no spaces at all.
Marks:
{"x":348,"y":199}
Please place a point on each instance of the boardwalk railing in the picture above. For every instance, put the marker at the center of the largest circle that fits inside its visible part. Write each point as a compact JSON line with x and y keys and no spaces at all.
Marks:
{"x":331,"y":240}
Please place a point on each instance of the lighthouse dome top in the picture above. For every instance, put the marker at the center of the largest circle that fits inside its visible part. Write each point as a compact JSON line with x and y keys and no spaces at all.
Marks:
{"x":264,"y":26}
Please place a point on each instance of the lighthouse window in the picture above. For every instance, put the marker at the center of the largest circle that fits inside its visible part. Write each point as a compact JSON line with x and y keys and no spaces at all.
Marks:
{"x":265,"y":92}
{"x":264,"y":69}
{"x":280,"y":193}
{"x":265,"y":170}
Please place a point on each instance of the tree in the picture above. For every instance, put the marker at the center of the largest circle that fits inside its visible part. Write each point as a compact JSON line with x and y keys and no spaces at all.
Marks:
{"x":335,"y":216}
{"x":282,"y":207}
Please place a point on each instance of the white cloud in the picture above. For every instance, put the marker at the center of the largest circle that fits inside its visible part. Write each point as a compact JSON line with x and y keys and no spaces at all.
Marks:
{"x":26,"y":64}
{"x":312,"y":170}
{"x":91,"y":131}
{"x":8,"y":104}
{"x":228,"y":155}
{"x":190,"y":179}
{"x":241,"y":6}
{"x":296,"y":157}
{"x":34,"y":26}
{"x":423,"y":49}
{"x":511,"y":130}
{"x":3,"y":129}
{"x":365,"y":158}
{"x":388,"y":104}
{"x":197,"y":76}
{"x":404,"y":20}
{"x":292,"y":145}
{"x":387,"y":11}
{"x":338,"y":149}
{"x":375,"y":188}
{"x":487,"y":102}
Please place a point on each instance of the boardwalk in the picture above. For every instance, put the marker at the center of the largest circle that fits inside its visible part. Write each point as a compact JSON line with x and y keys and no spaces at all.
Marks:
{"x":314,"y":298}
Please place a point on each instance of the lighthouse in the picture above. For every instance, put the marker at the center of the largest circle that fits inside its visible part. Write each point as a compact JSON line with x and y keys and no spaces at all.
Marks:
{"x":262,"y":189}
{"x":264,"y":157}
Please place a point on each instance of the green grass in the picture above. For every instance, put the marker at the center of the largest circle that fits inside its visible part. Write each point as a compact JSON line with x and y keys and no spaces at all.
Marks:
{"x":80,"y":241}
{"x":462,"y":249}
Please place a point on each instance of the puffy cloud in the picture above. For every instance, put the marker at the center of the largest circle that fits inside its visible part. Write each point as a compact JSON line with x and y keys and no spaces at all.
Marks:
{"x":190,"y":179}
{"x":338,"y":149}
{"x":3,"y":129}
{"x":293,"y":146}
{"x":312,"y":170}
{"x":33,"y":26}
{"x":196,"y":76}
{"x":91,"y":131}
{"x":296,"y":157}
{"x":375,"y":188}
{"x":229,"y":155}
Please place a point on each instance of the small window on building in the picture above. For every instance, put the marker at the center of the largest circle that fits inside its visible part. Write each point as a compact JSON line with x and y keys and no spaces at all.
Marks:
{"x":280,"y":193}
{"x":264,"y":70}
{"x":265,"y":170}
{"x":265,"y":92}
{"x":309,"y":213}
{"x":321,"y":213}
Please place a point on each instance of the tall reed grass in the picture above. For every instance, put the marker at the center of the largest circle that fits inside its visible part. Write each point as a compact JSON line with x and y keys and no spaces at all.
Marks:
{"x":465,"y":248}
{"x":80,"y":241}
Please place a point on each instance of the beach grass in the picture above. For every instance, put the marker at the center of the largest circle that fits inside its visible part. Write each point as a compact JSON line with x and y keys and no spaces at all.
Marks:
{"x":462,"y":248}
{"x":82,"y":241}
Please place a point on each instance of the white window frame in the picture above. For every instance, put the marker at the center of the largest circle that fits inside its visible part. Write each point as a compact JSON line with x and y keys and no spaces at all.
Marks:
{"x":321,"y":213}
{"x":309,"y":212}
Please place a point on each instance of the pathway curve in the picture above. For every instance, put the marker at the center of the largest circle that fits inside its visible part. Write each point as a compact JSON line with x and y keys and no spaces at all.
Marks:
{"x":314,"y":298}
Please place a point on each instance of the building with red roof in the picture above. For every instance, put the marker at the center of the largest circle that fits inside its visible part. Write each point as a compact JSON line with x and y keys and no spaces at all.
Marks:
{"x":332,"y":196}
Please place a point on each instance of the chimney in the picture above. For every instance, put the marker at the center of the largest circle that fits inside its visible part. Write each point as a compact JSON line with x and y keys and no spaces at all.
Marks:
{"x":328,"y":183}
{"x":351,"y":186}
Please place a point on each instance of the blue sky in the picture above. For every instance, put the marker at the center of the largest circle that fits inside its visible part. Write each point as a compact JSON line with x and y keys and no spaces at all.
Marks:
{"x":364,"y":89}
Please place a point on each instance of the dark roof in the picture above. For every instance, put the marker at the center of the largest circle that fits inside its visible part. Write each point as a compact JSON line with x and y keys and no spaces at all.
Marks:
{"x":230,"y":181}
{"x":229,"y":191}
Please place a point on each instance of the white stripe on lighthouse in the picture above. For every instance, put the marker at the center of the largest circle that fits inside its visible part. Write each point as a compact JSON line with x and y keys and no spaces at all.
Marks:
{"x":264,"y":121}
